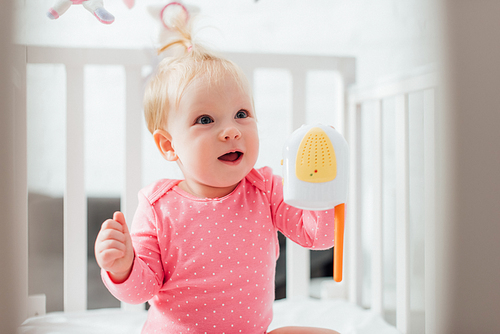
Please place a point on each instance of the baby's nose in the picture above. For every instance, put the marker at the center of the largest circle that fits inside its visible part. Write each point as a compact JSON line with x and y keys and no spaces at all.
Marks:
{"x":230,"y":133}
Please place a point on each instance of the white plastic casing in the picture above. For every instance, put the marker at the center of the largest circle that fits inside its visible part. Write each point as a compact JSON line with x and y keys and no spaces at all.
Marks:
{"x":315,"y":195}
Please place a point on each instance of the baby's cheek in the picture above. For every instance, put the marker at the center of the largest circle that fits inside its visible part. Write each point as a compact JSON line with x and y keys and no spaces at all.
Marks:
{"x":254,"y":150}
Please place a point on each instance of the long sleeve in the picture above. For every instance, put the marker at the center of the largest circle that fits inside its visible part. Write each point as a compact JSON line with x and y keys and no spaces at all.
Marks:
{"x":311,"y":229}
{"x":147,"y":276}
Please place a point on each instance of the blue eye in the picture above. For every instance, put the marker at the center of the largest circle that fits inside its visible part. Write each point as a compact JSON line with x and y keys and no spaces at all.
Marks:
{"x":241,"y":114}
{"x":204,"y":120}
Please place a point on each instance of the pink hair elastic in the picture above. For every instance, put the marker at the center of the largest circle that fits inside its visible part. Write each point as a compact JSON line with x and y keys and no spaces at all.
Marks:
{"x":172,"y":4}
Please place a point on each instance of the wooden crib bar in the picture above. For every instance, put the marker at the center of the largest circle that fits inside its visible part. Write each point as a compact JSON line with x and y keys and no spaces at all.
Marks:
{"x":353,"y":226}
{"x":75,"y":201}
{"x":377,"y":253}
{"x":297,"y":257}
{"x":430,"y":205}
{"x":402,"y":215}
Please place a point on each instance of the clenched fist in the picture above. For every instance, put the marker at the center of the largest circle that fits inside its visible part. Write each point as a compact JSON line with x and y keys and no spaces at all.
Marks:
{"x":113,"y":248}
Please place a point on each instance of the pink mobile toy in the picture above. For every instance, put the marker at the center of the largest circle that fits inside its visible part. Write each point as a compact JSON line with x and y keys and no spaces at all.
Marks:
{"x":316,"y":175}
{"x":95,"y":7}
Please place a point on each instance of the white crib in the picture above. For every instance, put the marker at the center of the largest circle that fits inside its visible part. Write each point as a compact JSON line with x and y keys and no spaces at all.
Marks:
{"x":360,"y":303}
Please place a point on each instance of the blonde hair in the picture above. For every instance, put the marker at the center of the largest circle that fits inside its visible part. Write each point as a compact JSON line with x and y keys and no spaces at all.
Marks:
{"x":164,"y":91}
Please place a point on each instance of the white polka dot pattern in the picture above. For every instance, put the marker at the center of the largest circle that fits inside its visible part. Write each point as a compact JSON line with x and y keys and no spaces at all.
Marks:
{"x":208,"y":265}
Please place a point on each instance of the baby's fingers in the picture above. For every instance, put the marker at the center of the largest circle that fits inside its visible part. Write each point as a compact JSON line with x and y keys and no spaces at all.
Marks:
{"x":111,"y":234}
{"x":120,"y":218}
{"x":106,"y":244}
{"x":109,"y":250}
{"x":111,"y":224}
{"x":113,"y":248}
{"x":108,"y":257}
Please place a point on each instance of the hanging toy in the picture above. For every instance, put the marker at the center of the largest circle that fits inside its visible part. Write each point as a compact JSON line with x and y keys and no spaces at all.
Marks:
{"x":96,"y":7}
{"x":171,"y":11}
{"x":316,"y":175}
{"x":165,"y":15}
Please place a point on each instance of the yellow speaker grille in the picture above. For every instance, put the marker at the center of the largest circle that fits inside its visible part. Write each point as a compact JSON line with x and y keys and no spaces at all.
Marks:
{"x":316,"y":161}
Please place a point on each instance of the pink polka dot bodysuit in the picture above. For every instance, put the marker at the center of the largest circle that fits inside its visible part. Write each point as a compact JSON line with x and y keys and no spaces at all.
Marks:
{"x":208,"y":265}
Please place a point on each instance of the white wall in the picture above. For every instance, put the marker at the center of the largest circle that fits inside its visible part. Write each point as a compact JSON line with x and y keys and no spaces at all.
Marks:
{"x":387,"y":37}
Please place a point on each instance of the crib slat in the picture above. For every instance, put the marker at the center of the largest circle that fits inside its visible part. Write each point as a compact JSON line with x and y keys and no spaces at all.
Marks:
{"x":133,"y":142}
{"x":75,"y":203}
{"x":133,"y":151}
{"x":353,"y":224}
{"x":430,"y":200}
{"x":297,"y":271}
{"x":377,"y":239}
{"x":20,"y":247}
{"x":297,"y":257}
{"x":402,"y":216}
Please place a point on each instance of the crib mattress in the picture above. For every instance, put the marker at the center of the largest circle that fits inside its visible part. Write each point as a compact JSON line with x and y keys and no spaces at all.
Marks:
{"x":340,"y":315}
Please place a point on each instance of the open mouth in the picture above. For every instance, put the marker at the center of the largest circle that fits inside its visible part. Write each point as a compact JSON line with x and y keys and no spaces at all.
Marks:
{"x":231,"y":156}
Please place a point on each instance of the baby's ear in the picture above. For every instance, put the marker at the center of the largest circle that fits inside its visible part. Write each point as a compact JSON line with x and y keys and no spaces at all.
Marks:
{"x":163,"y":141}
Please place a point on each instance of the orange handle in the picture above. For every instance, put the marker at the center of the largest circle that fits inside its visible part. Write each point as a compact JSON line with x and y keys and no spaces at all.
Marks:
{"x":338,"y":250}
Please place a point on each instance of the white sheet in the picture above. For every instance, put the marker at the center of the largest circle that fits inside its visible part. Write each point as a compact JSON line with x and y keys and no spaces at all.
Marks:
{"x":335,"y":314}
{"x":338,"y":314}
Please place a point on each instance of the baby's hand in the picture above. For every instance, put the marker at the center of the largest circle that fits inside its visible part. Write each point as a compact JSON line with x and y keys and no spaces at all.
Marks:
{"x":113,"y":248}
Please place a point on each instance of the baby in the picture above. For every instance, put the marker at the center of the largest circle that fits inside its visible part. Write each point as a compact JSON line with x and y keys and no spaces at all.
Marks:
{"x":202,"y":251}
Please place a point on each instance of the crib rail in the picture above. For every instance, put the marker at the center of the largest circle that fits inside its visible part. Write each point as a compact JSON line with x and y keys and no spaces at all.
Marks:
{"x":133,"y":61}
{"x":399,"y":89}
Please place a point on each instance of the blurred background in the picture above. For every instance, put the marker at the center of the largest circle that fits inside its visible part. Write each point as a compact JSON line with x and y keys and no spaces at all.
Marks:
{"x":387,"y":38}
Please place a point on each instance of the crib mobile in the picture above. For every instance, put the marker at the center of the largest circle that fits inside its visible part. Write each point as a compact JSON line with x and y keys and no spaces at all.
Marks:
{"x":316,"y":176}
{"x":95,"y":7}
{"x":163,"y":13}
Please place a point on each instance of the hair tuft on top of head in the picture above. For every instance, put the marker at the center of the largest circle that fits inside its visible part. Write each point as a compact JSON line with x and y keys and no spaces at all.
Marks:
{"x":181,"y":24}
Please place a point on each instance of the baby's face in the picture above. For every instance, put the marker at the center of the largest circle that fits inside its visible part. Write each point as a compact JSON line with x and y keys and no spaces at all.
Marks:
{"x":214,"y":133}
